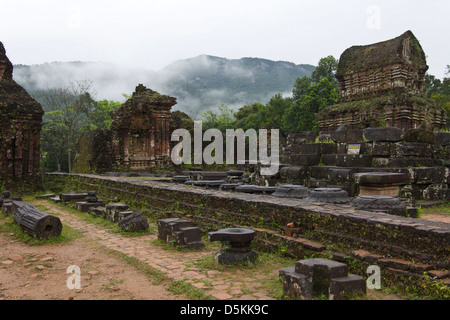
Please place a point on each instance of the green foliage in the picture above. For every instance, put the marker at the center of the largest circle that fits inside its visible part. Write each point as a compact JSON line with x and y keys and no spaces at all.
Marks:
{"x":68,"y":113}
{"x":309,"y":100}
{"x":100,"y":116}
{"x":291,"y":114}
{"x":222,"y":121}
{"x":325,"y":69}
{"x":439,"y":91}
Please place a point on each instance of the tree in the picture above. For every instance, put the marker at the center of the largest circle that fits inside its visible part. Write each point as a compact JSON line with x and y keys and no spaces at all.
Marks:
{"x":326,"y":68}
{"x":250,"y":116}
{"x":301,"y":116}
{"x":100,"y":116}
{"x":222,"y":121}
{"x":66,"y":111}
{"x":275,"y":110}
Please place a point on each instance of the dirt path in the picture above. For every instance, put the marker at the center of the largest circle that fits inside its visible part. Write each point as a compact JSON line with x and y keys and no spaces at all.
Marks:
{"x":40,"y":272}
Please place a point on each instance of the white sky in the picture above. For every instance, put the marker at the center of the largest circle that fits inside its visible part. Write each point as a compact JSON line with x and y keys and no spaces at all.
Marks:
{"x":152,"y":34}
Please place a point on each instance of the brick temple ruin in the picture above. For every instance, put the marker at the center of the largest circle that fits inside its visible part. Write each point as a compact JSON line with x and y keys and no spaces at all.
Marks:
{"x":382,"y":124}
{"x":140,"y":129}
{"x":139,"y":137}
{"x":21,"y":118}
{"x":381,"y":84}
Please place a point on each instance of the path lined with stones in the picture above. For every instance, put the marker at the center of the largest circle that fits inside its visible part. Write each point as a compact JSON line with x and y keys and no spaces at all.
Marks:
{"x":177,"y":265}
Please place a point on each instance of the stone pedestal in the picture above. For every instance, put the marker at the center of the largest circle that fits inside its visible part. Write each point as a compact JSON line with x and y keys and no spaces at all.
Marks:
{"x":235,"y":245}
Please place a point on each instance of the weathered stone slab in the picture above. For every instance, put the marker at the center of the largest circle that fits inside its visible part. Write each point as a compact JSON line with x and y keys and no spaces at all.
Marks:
{"x":229,"y":186}
{"x":291,"y":191}
{"x":295,"y":285}
{"x":112,"y":209}
{"x":380,"y":148}
{"x":134,"y":222}
{"x":380,"y":203}
{"x":305,"y":159}
{"x":65,"y":197}
{"x":347,"y":136}
{"x":442,"y":138}
{"x":85,"y":206}
{"x":380,"y":178}
{"x":420,"y":135}
{"x":391,"y":134}
{"x":345,"y":287}
{"x":179,"y":232}
{"x":329,"y":195}
{"x":180,"y":179}
{"x":295,"y":173}
{"x":211,"y":175}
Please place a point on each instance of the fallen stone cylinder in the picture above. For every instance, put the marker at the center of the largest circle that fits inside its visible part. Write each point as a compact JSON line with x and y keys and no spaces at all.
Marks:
{"x":36,"y":223}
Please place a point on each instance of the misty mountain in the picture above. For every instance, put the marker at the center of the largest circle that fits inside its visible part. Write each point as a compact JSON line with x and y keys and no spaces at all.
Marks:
{"x":199,"y":83}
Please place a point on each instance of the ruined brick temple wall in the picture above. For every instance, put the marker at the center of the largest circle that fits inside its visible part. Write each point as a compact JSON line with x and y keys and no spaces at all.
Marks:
{"x":21,"y":122}
{"x":141,"y":130}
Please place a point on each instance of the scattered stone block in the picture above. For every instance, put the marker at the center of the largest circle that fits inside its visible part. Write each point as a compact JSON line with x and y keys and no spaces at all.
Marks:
{"x":98,"y":212}
{"x":112,"y":210}
{"x":7,"y":207}
{"x":134,"y":222}
{"x":65,"y":197}
{"x":90,"y":202}
{"x":315,"y":277}
{"x":345,"y":287}
{"x":295,"y":285}
{"x":180,"y":232}
{"x":391,"y":134}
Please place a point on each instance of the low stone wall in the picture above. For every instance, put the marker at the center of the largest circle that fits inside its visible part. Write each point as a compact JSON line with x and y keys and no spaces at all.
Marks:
{"x":322,"y":227}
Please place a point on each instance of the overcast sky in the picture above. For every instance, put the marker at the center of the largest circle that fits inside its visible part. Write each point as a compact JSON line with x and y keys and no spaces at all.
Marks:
{"x":154,"y":33}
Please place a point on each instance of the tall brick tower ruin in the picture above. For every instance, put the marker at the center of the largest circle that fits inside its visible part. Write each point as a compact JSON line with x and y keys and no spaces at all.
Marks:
{"x":381,"y":84}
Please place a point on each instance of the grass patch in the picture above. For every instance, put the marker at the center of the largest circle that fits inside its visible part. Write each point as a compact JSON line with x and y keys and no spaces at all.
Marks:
{"x":442,"y":209}
{"x":153,"y":274}
{"x":186,"y":288}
